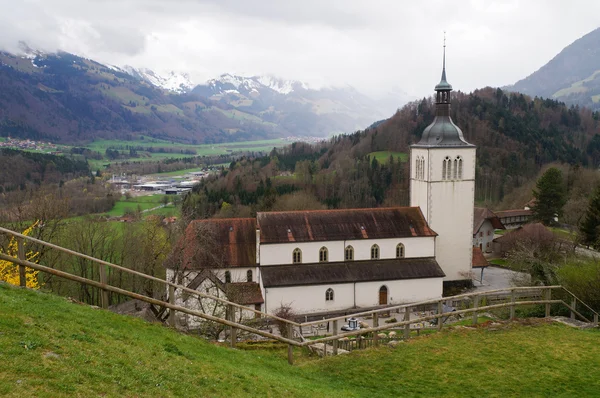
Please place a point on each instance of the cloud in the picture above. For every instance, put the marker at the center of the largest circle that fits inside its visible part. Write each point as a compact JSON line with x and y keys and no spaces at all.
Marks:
{"x":371,"y":45}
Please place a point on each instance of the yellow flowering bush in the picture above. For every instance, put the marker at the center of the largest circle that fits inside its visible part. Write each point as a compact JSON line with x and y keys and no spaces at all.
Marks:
{"x":9,"y":272}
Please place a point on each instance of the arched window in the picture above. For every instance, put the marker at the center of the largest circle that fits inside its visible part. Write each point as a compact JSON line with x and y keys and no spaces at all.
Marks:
{"x":460,"y":167}
{"x":227,"y":277}
{"x":329,"y":294}
{"x":249,"y":276}
{"x":297,"y":256}
{"x":400,"y":251}
{"x":323,"y":255}
{"x":422,"y":168}
{"x":349,"y":253}
{"x":447,"y":168}
{"x":417,"y":165}
{"x":455,"y":175}
{"x":374,"y":252}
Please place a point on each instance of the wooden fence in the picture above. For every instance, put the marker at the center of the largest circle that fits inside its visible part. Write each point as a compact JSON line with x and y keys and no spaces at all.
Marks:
{"x":464,"y":304}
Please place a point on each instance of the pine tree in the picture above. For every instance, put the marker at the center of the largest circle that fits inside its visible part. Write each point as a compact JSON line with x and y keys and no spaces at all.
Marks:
{"x":549,"y":197}
{"x":590,"y":227}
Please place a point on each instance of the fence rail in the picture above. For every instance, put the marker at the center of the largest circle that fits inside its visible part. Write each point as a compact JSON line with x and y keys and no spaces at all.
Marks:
{"x":515,"y":296}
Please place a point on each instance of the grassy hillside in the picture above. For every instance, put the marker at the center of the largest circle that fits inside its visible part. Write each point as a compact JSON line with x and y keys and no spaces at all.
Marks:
{"x":50,"y":347}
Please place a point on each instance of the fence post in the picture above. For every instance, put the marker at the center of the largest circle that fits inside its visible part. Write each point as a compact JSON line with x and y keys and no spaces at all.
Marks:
{"x":290,"y":329}
{"x":232,"y":330}
{"x":335,"y":332}
{"x":595,"y":319}
{"x":512,"y":307}
{"x":21,"y":255}
{"x":104,"y":292}
{"x":375,"y":324}
{"x":548,"y":298}
{"x":475,"y":305}
{"x":171,"y":320}
{"x":440,"y":311}
{"x":407,"y":326}
{"x":574,"y":306}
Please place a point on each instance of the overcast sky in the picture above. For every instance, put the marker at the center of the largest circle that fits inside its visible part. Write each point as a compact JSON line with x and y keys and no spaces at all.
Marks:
{"x":374,"y":45}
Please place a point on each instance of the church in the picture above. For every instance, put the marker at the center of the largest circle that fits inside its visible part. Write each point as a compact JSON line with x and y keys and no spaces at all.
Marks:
{"x":331,"y":260}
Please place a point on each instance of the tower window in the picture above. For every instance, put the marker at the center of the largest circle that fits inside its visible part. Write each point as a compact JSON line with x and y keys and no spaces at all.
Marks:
{"x":227,"y":277}
{"x":323,"y":255}
{"x":249,"y":276}
{"x":455,"y":169}
{"x":447,"y":168}
{"x":460,"y":167}
{"x":349,"y":253}
{"x":329,"y":294}
{"x":297,"y":256}
{"x":422,"y":168}
{"x":374,"y":252}
{"x":400,"y":251}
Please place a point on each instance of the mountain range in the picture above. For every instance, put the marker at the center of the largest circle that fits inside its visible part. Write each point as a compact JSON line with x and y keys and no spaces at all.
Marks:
{"x":572,"y":76}
{"x":62,"y":97}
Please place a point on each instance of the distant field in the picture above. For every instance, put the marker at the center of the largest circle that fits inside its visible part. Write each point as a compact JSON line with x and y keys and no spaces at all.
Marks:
{"x":141,"y":202}
{"x":201,"y":150}
{"x":175,"y":173}
{"x":384,"y":156}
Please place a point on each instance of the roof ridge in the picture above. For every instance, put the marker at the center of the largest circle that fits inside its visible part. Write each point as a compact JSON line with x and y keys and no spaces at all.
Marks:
{"x":339,"y":210}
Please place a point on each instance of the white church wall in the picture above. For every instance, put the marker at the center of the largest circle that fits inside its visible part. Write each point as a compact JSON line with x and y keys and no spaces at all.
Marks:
{"x":281,"y":253}
{"x":399,"y":291}
{"x":305,"y":299}
{"x":450,"y":213}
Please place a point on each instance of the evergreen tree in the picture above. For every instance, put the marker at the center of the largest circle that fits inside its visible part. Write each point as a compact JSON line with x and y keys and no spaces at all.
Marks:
{"x":549,"y":197}
{"x":590,"y":227}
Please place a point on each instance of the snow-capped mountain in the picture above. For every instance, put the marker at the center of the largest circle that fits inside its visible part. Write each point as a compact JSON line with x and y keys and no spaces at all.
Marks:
{"x":173,"y":81}
{"x":232,"y":84}
{"x":293,"y":105}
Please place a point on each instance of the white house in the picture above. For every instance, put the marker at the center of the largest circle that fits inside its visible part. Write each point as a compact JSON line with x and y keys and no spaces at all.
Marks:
{"x":485,"y":222}
{"x":331,"y":260}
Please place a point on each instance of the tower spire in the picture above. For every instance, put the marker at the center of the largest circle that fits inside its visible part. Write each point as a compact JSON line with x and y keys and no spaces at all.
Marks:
{"x":444,"y":62}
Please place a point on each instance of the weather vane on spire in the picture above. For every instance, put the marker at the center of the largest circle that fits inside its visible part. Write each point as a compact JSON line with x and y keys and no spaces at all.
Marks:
{"x":444,"y":39}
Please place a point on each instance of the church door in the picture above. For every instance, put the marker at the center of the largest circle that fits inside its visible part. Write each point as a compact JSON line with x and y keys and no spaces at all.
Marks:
{"x":383,"y":295}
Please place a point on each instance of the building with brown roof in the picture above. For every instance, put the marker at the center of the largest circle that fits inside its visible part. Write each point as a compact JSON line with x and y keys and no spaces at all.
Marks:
{"x":515,"y":218}
{"x":485,"y":222}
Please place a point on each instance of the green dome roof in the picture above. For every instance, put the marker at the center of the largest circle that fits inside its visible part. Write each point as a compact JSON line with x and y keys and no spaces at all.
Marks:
{"x":443,"y":132}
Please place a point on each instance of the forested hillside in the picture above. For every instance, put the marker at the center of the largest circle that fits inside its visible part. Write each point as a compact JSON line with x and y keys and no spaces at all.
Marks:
{"x":515,"y":136}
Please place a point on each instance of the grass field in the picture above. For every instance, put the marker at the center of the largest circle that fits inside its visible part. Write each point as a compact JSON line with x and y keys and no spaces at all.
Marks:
{"x":201,"y":150}
{"x":142,"y":202}
{"x":384,"y":156}
{"x":50,"y":347}
{"x":175,"y":173}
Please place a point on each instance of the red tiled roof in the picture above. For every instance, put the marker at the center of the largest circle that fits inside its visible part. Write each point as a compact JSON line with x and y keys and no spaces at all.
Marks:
{"x":480,"y":214}
{"x":329,"y":225}
{"x":216,"y":243}
{"x":479,"y":260}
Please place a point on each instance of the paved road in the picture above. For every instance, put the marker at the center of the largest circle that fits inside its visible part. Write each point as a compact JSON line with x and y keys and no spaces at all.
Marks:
{"x":495,"y":278}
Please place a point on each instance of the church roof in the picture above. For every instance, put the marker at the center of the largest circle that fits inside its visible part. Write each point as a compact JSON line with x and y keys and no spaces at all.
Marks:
{"x":350,"y":271}
{"x":347,"y":224}
{"x":442,"y":132}
{"x":216,"y":243}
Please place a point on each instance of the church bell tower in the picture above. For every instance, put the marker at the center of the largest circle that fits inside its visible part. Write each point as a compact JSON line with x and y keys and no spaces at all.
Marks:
{"x":442,"y":184}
